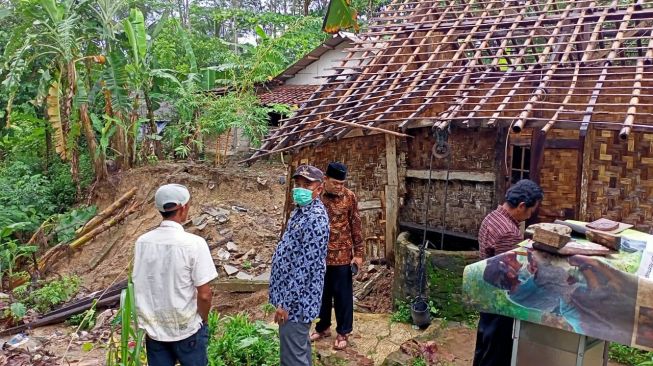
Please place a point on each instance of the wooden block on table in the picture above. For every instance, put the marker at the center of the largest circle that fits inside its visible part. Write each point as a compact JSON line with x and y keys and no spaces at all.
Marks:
{"x":606,"y":239}
{"x":556,"y":238}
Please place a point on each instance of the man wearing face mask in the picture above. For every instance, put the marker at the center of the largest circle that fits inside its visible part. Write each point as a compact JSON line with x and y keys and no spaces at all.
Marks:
{"x":298,"y":268}
{"x":345,"y":254}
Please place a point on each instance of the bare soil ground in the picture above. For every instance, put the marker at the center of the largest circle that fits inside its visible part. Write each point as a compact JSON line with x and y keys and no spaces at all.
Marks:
{"x":258,"y":190}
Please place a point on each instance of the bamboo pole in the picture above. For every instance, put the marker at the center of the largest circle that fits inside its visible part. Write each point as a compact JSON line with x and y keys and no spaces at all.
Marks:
{"x":365,"y":127}
{"x":99,"y":218}
{"x":79,"y":242}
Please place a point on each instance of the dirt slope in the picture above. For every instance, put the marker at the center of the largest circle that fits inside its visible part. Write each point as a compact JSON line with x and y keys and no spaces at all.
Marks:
{"x":259,"y":189}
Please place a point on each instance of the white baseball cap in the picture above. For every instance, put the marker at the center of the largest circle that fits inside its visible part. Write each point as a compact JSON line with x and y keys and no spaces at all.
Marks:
{"x":171,"y":193}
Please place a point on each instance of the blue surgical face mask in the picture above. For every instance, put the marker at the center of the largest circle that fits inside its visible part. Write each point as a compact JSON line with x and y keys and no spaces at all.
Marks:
{"x":302,"y":196}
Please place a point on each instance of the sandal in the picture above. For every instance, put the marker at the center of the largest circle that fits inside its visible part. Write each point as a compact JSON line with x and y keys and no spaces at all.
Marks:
{"x":338,"y":345}
{"x":319,"y":335}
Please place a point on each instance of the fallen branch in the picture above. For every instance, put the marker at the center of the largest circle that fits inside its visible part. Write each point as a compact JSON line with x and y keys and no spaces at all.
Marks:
{"x":104,"y":253}
{"x":99,"y":218}
{"x":77,"y":243}
{"x":56,"y":252}
{"x":108,"y":299}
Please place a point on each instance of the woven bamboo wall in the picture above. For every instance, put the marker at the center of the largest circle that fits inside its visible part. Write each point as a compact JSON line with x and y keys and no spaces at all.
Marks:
{"x":558,"y":179}
{"x":367,"y":174}
{"x":558,"y":175}
{"x":467,"y":204}
{"x":472,"y":149}
{"x":621,"y":179}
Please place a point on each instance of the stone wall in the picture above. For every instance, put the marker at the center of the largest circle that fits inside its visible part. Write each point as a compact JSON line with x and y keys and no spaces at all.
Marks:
{"x":444,"y":273}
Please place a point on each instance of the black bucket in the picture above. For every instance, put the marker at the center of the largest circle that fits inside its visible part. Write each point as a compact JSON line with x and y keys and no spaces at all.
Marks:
{"x":419,"y":311}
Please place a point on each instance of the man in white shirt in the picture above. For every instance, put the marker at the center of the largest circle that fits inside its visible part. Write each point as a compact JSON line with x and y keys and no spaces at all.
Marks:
{"x":172,"y":271}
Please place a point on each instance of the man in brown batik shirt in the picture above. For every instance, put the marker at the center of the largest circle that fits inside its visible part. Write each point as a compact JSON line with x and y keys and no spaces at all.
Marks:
{"x":344,"y":252}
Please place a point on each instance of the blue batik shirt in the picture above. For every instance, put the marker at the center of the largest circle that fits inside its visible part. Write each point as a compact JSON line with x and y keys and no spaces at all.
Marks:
{"x":299,"y":263}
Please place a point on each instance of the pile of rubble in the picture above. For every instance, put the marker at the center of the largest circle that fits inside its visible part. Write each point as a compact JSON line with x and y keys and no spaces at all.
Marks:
{"x":234,"y":261}
{"x":33,"y":348}
{"x":373,"y":288}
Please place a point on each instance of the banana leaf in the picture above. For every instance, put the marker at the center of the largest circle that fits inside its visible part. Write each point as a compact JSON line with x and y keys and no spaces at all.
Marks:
{"x":340,"y":16}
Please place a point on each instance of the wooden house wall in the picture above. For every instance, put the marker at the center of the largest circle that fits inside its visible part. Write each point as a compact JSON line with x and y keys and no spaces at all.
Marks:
{"x":621,"y":178}
{"x":559,"y":173}
{"x":468,"y":200}
{"x":365,"y":158}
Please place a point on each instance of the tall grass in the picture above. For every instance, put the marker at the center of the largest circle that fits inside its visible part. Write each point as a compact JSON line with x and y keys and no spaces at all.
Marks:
{"x":130,"y":349}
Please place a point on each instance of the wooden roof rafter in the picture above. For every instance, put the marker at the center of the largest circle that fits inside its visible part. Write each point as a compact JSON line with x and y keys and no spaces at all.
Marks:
{"x":539,"y":63}
{"x":551,"y":69}
{"x":375,"y":86}
{"x":418,"y":80}
{"x":454,"y":109}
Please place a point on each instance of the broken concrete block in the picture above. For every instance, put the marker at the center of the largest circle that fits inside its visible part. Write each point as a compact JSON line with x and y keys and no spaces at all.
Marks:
{"x":199,"y":220}
{"x":230,"y":270}
{"x":232,"y":247}
{"x":265,"y":276}
{"x":244,"y":276}
{"x":223,"y":255}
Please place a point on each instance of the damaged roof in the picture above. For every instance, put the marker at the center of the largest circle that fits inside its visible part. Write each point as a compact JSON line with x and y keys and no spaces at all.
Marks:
{"x":525,"y":64}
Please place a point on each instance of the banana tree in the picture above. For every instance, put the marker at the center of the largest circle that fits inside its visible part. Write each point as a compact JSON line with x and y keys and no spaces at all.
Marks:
{"x":141,"y":70}
{"x":53,"y":38}
{"x":340,"y":15}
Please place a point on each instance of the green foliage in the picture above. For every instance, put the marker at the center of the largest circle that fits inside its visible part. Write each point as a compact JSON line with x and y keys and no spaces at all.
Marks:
{"x":72,"y":220}
{"x":17,"y":310}
{"x":11,"y":250}
{"x":268,"y":309}
{"x":419,"y":361}
{"x":85,"y":320}
{"x":402,"y":314}
{"x":340,"y":16}
{"x":49,"y":294}
{"x":630,"y":356}
{"x":130,"y":351}
{"x":237,"y":341}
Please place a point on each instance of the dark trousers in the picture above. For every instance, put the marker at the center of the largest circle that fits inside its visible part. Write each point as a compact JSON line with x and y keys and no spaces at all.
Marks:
{"x":493,"y":340}
{"x":339,"y":294}
{"x":189,"y":352}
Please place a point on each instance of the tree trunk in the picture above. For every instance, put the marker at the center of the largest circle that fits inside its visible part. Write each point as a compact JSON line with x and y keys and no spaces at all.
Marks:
{"x":97,"y":156}
{"x":153,"y":128}
{"x":48,"y":150}
{"x":74,"y":170}
{"x":119,"y":138}
{"x":306,"y":5}
{"x":66,"y":112}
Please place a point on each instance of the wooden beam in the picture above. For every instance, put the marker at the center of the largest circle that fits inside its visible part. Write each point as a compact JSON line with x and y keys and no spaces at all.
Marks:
{"x":563,"y":144}
{"x":501,"y":175}
{"x":369,"y":205}
{"x":537,"y":160}
{"x":585,"y":171}
{"x":391,"y":195}
{"x":488,"y":177}
{"x":351,"y":124}
{"x":416,"y":226}
{"x":537,"y":155}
